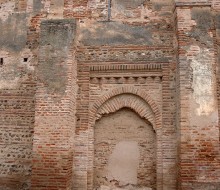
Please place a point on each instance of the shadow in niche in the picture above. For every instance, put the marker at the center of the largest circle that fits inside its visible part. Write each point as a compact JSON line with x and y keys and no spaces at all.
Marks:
{"x":124,"y":151}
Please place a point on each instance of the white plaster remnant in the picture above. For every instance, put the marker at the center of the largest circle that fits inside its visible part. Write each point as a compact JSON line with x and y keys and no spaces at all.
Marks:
{"x":124,"y":162}
{"x":186,"y":23}
{"x":56,"y":9}
{"x":47,"y":5}
{"x":203,"y":86}
{"x":11,"y":71}
{"x":30,"y":6}
{"x":6,"y":9}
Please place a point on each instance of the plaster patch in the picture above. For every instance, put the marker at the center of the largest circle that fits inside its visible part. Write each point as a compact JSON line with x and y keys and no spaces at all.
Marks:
{"x":14,"y":70}
{"x":187,"y":23}
{"x":124,"y":151}
{"x":47,"y":5}
{"x":38,"y":5}
{"x":114,"y":33}
{"x":30,"y":5}
{"x":56,"y":9}
{"x":203,"y":87}
{"x":6,"y":10}
{"x":14,"y":32}
{"x":124,"y":162}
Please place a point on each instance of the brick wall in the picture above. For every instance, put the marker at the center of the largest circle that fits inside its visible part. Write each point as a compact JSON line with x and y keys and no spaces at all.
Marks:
{"x":112,"y":60}
{"x":17,"y":91}
{"x":198,"y":112}
{"x":62,"y":67}
{"x":54,"y":121}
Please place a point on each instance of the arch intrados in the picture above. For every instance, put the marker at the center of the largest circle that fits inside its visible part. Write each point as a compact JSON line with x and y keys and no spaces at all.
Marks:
{"x":125,"y":90}
{"x":147,"y":121}
{"x":133,"y":102}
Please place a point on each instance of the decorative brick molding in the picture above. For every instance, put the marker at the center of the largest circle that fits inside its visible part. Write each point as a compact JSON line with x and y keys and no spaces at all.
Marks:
{"x":119,"y":67}
{"x":127,"y":100}
{"x":123,"y":73}
{"x":124,"y":90}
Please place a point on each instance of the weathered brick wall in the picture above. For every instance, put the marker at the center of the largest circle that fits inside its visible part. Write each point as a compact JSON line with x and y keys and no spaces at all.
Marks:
{"x":217,"y":48}
{"x":54,"y":124}
{"x":198,"y":112}
{"x":17,"y":91}
{"x":20,"y":28}
{"x":42,"y":61}
{"x":138,"y":59}
{"x":16,"y":136}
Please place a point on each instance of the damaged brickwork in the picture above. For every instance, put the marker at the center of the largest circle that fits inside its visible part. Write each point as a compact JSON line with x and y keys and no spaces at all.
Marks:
{"x":109,"y":94}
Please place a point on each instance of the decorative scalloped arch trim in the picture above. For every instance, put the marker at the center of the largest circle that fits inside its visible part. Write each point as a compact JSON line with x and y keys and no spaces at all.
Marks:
{"x":109,"y":103}
{"x":126,"y":100}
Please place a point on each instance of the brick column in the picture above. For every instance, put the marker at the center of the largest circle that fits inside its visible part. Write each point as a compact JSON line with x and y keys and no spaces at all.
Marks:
{"x":169,"y":129}
{"x":81,"y":145}
{"x":55,"y":101}
{"x":198,"y":130}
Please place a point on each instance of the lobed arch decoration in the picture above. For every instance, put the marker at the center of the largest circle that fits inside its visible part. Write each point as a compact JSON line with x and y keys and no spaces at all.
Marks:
{"x":137,"y":100}
{"x":102,"y":105}
{"x":130,"y":101}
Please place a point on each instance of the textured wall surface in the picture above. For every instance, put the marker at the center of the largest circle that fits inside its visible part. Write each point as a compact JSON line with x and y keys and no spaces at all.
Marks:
{"x":198,"y":128}
{"x":17,"y":107}
{"x":54,"y":120}
{"x":71,"y":68}
{"x":125,"y":150}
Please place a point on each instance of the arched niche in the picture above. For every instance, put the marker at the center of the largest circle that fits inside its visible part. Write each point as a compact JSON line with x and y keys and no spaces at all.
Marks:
{"x":138,"y":101}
